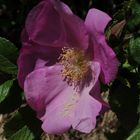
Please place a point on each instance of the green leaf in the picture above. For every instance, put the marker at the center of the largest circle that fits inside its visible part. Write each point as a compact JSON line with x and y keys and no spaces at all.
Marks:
{"x":13,"y":100}
{"x":13,"y":125}
{"x":8,"y":49}
{"x":23,"y":134}
{"x":4,"y":89}
{"x":134,"y":47}
{"x":134,"y":21}
{"x":16,"y":129}
{"x":135,"y":135}
{"x":23,"y":125}
{"x":8,"y":56}
{"x":30,"y":119}
{"x":7,"y":66}
{"x":123,"y":106}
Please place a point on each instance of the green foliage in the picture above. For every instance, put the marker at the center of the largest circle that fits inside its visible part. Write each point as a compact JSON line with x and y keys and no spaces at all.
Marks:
{"x":134,"y":47}
{"x":13,"y":125}
{"x":124,"y":106}
{"x":8,"y":56}
{"x":8,"y":49}
{"x":4,"y":89}
{"x":9,"y":89}
{"x":16,"y":128}
{"x":23,"y":134}
{"x":135,"y":135}
{"x":134,"y":21}
{"x":23,"y":125}
{"x":13,"y":100}
{"x":6,"y":66}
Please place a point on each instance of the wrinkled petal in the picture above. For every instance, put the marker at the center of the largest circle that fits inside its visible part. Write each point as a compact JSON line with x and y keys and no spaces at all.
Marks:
{"x":108,"y":60}
{"x":26,"y":63}
{"x":51,"y":97}
{"x":58,"y":104}
{"x":28,"y":57}
{"x":60,"y":112}
{"x":86,"y":112}
{"x":96,"y":22}
{"x":66,"y":108}
{"x":49,"y":24}
{"x":40,"y":64}
{"x":40,"y":83}
{"x":95,"y":93}
{"x":76,"y":32}
{"x":85,"y":118}
{"x":53,"y":23}
{"x":44,"y":25}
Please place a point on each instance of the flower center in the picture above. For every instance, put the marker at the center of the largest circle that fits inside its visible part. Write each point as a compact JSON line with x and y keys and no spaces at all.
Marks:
{"x":75,"y":65}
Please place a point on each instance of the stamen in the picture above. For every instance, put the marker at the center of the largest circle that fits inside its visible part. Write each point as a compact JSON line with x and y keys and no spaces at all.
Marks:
{"x":75,"y":65}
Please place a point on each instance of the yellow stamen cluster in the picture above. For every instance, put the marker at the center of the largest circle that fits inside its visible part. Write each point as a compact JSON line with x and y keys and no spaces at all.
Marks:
{"x":75,"y":65}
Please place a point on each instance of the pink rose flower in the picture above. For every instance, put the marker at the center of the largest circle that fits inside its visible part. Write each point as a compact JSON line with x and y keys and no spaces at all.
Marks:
{"x":60,"y":65}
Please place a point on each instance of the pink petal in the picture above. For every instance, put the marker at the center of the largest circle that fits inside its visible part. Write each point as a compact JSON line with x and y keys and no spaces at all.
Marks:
{"x":60,"y":112}
{"x":96,"y":22}
{"x":86,"y":112}
{"x":107,"y":58}
{"x":41,"y":24}
{"x":55,"y":101}
{"x":51,"y":97}
{"x":26,"y":63}
{"x":95,"y":93}
{"x":70,"y":107}
{"x":87,"y":108}
{"x":28,"y":57}
{"x":77,"y":35}
{"x":42,"y":85}
{"x":53,"y":23}
{"x":40,"y":64}
{"x":50,"y":23}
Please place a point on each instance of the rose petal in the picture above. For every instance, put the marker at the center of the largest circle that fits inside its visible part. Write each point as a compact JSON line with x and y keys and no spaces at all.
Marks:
{"x":77,"y":35}
{"x":85,"y":118}
{"x":40,"y":64}
{"x":28,"y":57}
{"x":26,"y":63}
{"x":55,"y":101}
{"x":42,"y":85}
{"x":44,"y":25}
{"x":96,"y":93}
{"x":60,"y":112}
{"x":51,"y":97}
{"x":108,"y":60}
{"x":96,"y":22}
{"x":53,"y":23}
{"x":86,"y":112}
{"x":66,"y":108}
